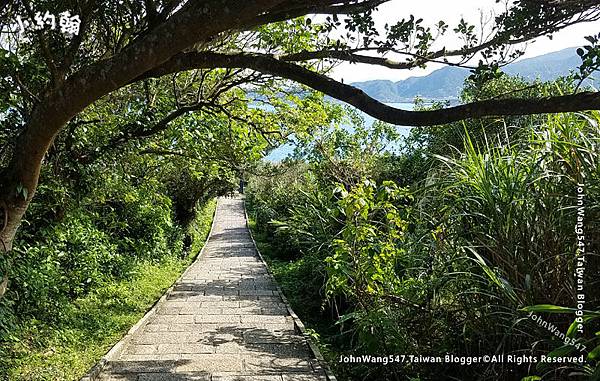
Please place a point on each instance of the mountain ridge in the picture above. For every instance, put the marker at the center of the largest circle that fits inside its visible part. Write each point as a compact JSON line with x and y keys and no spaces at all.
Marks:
{"x":447,"y":82}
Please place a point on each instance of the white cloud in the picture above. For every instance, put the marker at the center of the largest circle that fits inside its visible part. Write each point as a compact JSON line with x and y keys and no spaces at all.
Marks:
{"x":451,"y":12}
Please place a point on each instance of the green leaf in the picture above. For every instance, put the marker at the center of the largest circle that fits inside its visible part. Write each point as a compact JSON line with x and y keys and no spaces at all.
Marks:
{"x":548,"y":308}
{"x":552,"y":309}
{"x":561,"y":351}
{"x":346,"y":317}
{"x":22,"y":191}
{"x":593,"y":355}
{"x":572,"y":329}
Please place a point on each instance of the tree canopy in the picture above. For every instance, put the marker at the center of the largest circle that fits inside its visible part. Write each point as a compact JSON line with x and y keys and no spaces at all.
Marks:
{"x":155,"y":66}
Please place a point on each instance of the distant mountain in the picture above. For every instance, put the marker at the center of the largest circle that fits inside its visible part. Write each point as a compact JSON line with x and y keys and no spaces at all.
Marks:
{"x":447,"y":83}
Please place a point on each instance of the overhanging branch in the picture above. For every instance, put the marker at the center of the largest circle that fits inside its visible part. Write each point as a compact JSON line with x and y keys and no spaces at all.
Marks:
{"x":270,"y":65}
{"x":353,"y":57}
{"x":290,"y":11}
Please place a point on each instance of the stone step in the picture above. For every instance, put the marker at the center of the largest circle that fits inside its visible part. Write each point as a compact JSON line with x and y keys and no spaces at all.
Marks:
{"x":224,"y":320}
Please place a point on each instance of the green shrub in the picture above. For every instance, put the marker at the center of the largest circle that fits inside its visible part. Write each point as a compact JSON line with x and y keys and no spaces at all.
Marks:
{"x":511,"y":210}
{"x":487,"y":234}
{"x":63,"y":324}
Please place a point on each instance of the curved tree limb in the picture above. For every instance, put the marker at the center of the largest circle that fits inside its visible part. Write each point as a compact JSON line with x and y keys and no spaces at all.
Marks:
{"x":564,"y":16}
{"x":288,"y":11}
{"x":270,"y":65}
{"x":350,"y":56}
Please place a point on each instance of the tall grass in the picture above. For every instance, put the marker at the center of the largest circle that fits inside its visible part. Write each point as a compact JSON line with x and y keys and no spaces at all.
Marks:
{"x":509,"y":210}
{"x":488,"y":233}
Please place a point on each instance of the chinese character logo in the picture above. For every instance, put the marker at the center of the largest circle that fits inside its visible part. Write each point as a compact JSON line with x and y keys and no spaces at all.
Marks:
{"x":68,"y":24}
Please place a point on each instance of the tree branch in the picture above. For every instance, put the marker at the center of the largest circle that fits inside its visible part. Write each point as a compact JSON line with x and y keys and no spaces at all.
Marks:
{"x":289,"y":12}
{"x":269,"y":65}
{"x":350,"y":56}
{"x":564,"y":17}
{"x":127,"y":136}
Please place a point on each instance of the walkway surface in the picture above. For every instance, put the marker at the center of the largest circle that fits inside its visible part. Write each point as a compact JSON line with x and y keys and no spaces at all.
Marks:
{"x":224,"y":320}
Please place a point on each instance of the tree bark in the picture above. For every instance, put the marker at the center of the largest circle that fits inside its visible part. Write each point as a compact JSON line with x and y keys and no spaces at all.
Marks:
{"x":11,"y":215}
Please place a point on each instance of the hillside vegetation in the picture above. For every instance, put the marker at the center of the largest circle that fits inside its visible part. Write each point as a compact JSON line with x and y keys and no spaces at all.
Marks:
{"x":443,"y":249}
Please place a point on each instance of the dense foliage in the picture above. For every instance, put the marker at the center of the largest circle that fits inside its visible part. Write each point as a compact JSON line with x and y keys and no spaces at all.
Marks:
{"x":127,"y":123}
{"x":66,"y":344}
{"x":444,"y":248}
{"x":124,"y":203}
{"x":96,"y":234}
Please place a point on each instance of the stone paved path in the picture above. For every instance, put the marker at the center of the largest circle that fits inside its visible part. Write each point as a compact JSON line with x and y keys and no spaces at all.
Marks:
{"x":223,"y":321}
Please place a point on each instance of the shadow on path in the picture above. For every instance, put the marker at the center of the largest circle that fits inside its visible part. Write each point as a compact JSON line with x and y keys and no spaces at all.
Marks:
{"x":224,"y":320}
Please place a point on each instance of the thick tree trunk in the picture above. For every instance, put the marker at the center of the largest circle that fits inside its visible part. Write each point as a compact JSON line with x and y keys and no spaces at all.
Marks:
{"x":18,"y":183}
{"x":12,"y":210}
{"x":11,"y":215}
